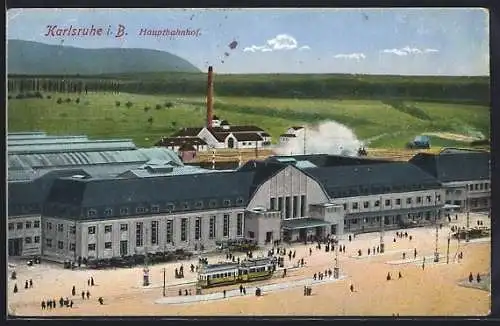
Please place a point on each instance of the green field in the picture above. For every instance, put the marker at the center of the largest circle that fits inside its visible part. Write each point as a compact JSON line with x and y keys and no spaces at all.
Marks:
{"x":98,"y":116}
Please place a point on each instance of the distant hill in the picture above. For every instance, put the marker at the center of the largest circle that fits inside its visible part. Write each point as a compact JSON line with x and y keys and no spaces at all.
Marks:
{"x":33,"y":58}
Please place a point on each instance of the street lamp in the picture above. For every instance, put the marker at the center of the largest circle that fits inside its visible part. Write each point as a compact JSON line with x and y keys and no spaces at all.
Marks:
{"x":448,"y":250}
{"x":436,"y":252}
{"x":381,"y":227}
{"x":336,"y":269}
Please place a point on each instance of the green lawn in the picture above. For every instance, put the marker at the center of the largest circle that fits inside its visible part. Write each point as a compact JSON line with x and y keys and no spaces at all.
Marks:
{"x":97,"y":116}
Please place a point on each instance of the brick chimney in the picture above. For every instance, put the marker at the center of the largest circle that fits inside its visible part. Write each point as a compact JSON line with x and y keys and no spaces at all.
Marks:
{"x":210,"y":97}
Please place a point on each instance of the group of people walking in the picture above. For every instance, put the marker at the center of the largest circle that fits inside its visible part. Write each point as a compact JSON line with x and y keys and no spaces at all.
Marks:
{"x":27,"y":285}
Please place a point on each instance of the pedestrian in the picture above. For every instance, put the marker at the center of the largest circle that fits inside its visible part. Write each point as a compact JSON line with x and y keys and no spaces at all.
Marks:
{"x":241,"y":289}
{"x":415,"y":253}
{"x":378,"y":249}
{"x":43,"y":305}
{"x":373,"y":250}
{"x":88,"y":282}
{"x":351,"y":288}
{"x":49,"y":304}
{"x":284,"y":272}
{"x":26,"y":285}
{"x":411,"y":237}
{"x":54,"y":305}
{"x":61,"y":302}
{"x":224,"y":293}
{"x":400,"y":275}
{"x":185,"y":292}
{"x":310,"y":251}
{"x":88,"y":294}
{"x":478,"y":278}
{"x":71,"y":304}
{"x":73,"y":291}
{"x":31,"y":283}
{"x":101,"y":300}
{"x":389,"y":276}
{"x":83,"y":295}
{"x":180,"y":292}
{"x":189,"y":291}
{"x":368,"y":251}
{"x":394,"y":240}
{"x":471,"y":278}
{"x":314,"y":278}
{"x":404,"y":255}
{"x":15,"y":288}
{"x":92,"y":281}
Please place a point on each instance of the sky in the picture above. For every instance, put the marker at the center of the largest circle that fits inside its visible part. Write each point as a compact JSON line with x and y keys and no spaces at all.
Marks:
{"x":406,"y":41}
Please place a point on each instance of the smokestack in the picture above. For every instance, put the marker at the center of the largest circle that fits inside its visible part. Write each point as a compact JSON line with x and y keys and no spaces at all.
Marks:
{"x":210,"y":97}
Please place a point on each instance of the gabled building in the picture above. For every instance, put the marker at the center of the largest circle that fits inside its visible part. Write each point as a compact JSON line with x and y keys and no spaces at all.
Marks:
{"x":464,"y":174}
{"x":225,"y":136}
{"x":291,"y":134}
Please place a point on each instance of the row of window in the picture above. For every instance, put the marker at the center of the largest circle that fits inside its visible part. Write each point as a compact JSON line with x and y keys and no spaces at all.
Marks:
{"x":169,"y":207}
{"x":479,"y":186}
{"x":27,"y":225}
{"x":289,"y":206}
{"x":60,"y":227}
{"x":60,"y":244}
{"x":29,"y":240}
{"x":184,"y":229}
{"x":388,"y":202}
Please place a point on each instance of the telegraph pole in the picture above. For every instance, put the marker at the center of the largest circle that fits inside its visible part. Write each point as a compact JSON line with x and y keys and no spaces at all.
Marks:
{"x":448,"y":250}
{"x":336,"y":269}
{"x":381,"y":228}
{"x":436,"y":252}
{"x":164,"y":282}
{"x":467,"y":211}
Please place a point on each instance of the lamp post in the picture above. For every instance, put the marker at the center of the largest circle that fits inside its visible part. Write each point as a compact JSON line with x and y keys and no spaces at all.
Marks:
{"x":436,"y":252}
{"x":336,"y":269}
{"x":448,"y":250}
{"x":467,"y":212}
{"x":164,"y":282}
{"x":382,"y":222}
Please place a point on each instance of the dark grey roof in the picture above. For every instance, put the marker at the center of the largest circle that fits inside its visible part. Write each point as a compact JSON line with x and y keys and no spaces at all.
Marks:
{"x":360,"y":180}
{"x":262,"y":171}
{"x":323,"y":160}
{"x":453,"y":166}
{"x":47,"y":140}
{"x":248,"y":136}
{"x":72,"y":198}
{"x":63,"y":147}
{"x":29,"y":197}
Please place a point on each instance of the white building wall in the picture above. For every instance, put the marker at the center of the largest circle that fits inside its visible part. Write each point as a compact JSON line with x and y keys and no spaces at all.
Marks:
{"x":29,"y":247}
{"x":100,"y":238}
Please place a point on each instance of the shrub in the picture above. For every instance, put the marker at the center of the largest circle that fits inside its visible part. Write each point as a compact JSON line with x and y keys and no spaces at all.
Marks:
{"x":158,"y":107}
{"x":117,"y":103}
{"x":59,"y":100}
{"x":169,"y":104}
{"x":49,"y":97}
{"x":68,"y":100}
{"x":129,"y":104}
{"x":146,"y":108}
{"x":150,"y":120}
{"x":77,"y":100}
{"x":38,"y":95}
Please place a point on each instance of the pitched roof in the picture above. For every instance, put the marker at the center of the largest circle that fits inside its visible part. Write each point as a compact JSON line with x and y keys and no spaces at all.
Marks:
{"x":188,"y":132}
{"x":174,"y":141}
{"x":327,"y":160}
{"x":297,"y":127}
{"x":238,"y":129}
{"x":349,"y":181}
{"x":220,"y":136}
{"x":248,"y":136}
{"x":455,"y":165}
{"x":288,"y":135}
{"x":100,"y":194}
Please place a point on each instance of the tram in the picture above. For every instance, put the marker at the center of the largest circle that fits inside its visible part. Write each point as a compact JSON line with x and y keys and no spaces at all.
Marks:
{"x":231,"y":273}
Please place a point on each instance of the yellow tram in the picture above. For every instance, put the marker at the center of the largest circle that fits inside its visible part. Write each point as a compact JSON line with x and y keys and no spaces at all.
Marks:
{"x":231,"y":273}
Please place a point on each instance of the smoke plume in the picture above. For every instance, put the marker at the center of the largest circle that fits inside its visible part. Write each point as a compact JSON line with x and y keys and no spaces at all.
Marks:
{"x":325,"y":138}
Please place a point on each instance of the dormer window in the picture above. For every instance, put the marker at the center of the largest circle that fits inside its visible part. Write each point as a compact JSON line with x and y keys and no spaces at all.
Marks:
{"x":91,"y":213}
{"x":227,"y":202}
{"x":199,"y":204}
{"x":155,"y":209}
{"x":170,"y":207}
{"x":124,"y":211}
{"x":108,"y":212}
{"x":239,"y":201}
{"x":140,"y":210}
{"x":212,"y":204}
{"x":185,"y":205}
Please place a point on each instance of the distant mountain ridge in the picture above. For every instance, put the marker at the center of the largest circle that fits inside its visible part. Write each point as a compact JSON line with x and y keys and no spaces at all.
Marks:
{"x":34,"y":58}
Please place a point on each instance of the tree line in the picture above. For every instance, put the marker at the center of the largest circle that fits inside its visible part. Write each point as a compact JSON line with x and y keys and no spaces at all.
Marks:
{"x":471,"y":91}
{"x":62,"y":85}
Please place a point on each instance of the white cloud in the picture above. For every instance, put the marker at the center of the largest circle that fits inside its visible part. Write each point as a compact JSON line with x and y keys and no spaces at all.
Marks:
{"x":407,"y":51}
{"x":350,"y":56}
{"x":278,"y":43}
{"x":282,"y":42}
